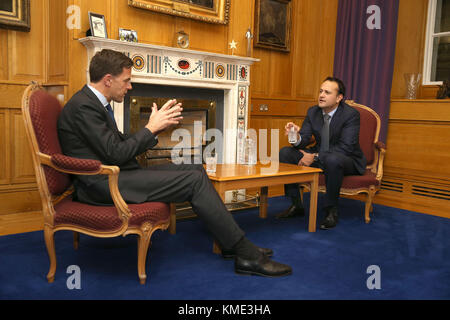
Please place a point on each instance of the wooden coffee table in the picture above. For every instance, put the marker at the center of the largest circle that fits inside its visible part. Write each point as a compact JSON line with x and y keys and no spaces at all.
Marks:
{"x":237,"y":176}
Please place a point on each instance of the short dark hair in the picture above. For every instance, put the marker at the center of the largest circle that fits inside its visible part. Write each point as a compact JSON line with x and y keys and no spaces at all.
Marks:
{"x":341,"y":86}
{"x":108,"y":62}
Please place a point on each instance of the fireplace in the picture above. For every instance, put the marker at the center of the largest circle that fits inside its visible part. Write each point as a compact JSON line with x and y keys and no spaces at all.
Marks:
{"x":202,"y":110}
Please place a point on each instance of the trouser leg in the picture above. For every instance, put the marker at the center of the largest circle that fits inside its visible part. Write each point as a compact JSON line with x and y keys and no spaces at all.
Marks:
{"x":292,"y":156}
{"x":335,"y":167}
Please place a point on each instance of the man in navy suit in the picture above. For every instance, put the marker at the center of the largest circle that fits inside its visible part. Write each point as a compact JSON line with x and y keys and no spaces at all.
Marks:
{"x":86,"y":129}
{"x":335,"y":127}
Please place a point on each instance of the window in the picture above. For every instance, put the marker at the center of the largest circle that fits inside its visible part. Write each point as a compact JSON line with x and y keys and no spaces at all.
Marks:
{"x":437,"y":49}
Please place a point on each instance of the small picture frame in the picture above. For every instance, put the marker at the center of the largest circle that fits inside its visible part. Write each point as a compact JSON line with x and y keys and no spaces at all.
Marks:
{"x":98,"y":25}
{"x":128,"y":35}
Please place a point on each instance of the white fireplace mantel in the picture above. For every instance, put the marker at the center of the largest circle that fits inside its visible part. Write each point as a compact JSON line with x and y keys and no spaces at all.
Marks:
{"x":170,"y":66}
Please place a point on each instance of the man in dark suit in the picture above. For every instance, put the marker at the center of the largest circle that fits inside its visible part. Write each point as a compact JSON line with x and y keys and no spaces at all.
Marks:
{"x":86,"y":129}
{"x":335,"y":127}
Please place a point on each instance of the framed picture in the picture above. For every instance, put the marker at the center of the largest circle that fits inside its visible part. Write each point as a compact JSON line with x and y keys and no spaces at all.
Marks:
{"x":98,"y":25}
{"x":273,"y":24}
{"x":212,"y":11}
{"x":128,"y":35}
{"x":15,"y":14}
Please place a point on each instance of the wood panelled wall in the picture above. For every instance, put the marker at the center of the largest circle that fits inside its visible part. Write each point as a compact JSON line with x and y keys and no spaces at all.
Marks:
{"x":37,"y":55}
{"x":287,"y":83}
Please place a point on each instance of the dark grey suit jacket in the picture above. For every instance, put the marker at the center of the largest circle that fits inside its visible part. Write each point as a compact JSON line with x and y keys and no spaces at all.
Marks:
{"x":86,"y":131}
{"x":344,"y":133}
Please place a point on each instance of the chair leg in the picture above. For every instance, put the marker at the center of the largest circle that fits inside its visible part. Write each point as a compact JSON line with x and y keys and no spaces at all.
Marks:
{"x":50,"y":244}
{"x":173,"y":219}
{"x":76,"y":240}
{"x":143,"y":244}
{"x":368,"y":206}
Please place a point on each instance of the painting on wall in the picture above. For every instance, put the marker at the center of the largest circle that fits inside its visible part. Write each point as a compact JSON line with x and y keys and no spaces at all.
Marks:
{"x":15,"y":14}
{"x":273,"y":24}
{"x":212,"y":11}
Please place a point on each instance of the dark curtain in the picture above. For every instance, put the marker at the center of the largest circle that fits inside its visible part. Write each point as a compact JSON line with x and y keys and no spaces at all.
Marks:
{"x":364,"y":54}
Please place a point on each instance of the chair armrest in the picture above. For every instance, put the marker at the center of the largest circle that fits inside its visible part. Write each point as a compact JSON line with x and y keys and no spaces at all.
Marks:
{"x":381,"y":147}
{"x":79,"y":166}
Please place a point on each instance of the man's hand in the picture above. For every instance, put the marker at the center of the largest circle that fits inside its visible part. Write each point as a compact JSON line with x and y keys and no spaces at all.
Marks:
{"x":288,"y":126}
{"x":168,"y":115}
{"x":307,"y":160}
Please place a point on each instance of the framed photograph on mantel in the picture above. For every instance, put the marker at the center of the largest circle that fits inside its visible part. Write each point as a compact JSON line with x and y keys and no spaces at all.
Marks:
{"x":98,"y":25}
{"x":211,"y":11}
{"x":273,"y":24}
{"x":15,"y":14}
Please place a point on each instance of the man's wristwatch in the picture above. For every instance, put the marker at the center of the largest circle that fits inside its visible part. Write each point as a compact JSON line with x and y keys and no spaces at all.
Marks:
{"x":316,"y":157}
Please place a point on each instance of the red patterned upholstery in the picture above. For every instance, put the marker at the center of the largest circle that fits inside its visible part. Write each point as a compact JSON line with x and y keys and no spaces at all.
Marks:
{"x":356,"y":182}
{"x":148,"y":212}
{"x":105,"y":218}
{"x":367,"y":133}
{"x":44,"y":113}
{"x":83,"y":215}
{"x":74,"y":164}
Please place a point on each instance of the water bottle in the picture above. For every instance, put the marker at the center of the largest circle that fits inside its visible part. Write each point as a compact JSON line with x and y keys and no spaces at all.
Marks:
{"x":250,"y":152}
{"x":292,"y":135}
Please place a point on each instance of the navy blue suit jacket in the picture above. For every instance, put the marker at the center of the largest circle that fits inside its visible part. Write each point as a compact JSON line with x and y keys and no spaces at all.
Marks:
{"x":344,"y":133}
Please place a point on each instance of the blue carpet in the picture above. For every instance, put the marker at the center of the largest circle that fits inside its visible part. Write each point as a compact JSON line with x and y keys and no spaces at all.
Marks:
{"x":412,"y":251}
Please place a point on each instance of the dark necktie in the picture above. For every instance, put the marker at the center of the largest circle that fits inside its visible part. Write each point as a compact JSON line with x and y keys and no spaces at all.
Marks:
{"x":325,"y":134}
{"x":110,"y":111}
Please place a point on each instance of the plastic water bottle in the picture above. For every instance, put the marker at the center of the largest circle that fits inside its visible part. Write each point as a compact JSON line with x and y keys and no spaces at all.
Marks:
{"x":292,"y":135}
{"x":250,"y":152}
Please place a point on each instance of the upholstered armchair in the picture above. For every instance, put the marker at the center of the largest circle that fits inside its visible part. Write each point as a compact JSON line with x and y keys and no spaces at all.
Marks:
{"x":40,"y":112}
{"x":370,"y":182}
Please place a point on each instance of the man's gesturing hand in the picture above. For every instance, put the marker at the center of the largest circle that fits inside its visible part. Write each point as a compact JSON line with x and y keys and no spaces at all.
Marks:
{"x":168,"y":115}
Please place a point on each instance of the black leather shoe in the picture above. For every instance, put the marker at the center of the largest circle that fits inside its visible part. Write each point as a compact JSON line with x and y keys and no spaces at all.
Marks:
{"x":292,"y":211}
{"x":230,"y":254}
{"x":330,"y":220}
{"x":262,"y":266}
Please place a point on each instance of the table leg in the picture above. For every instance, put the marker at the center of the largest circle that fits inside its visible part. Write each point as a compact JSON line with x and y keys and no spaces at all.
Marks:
{"x":263,"y":202}
{"x":313,"y":203}
{"x":221,"y":192}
